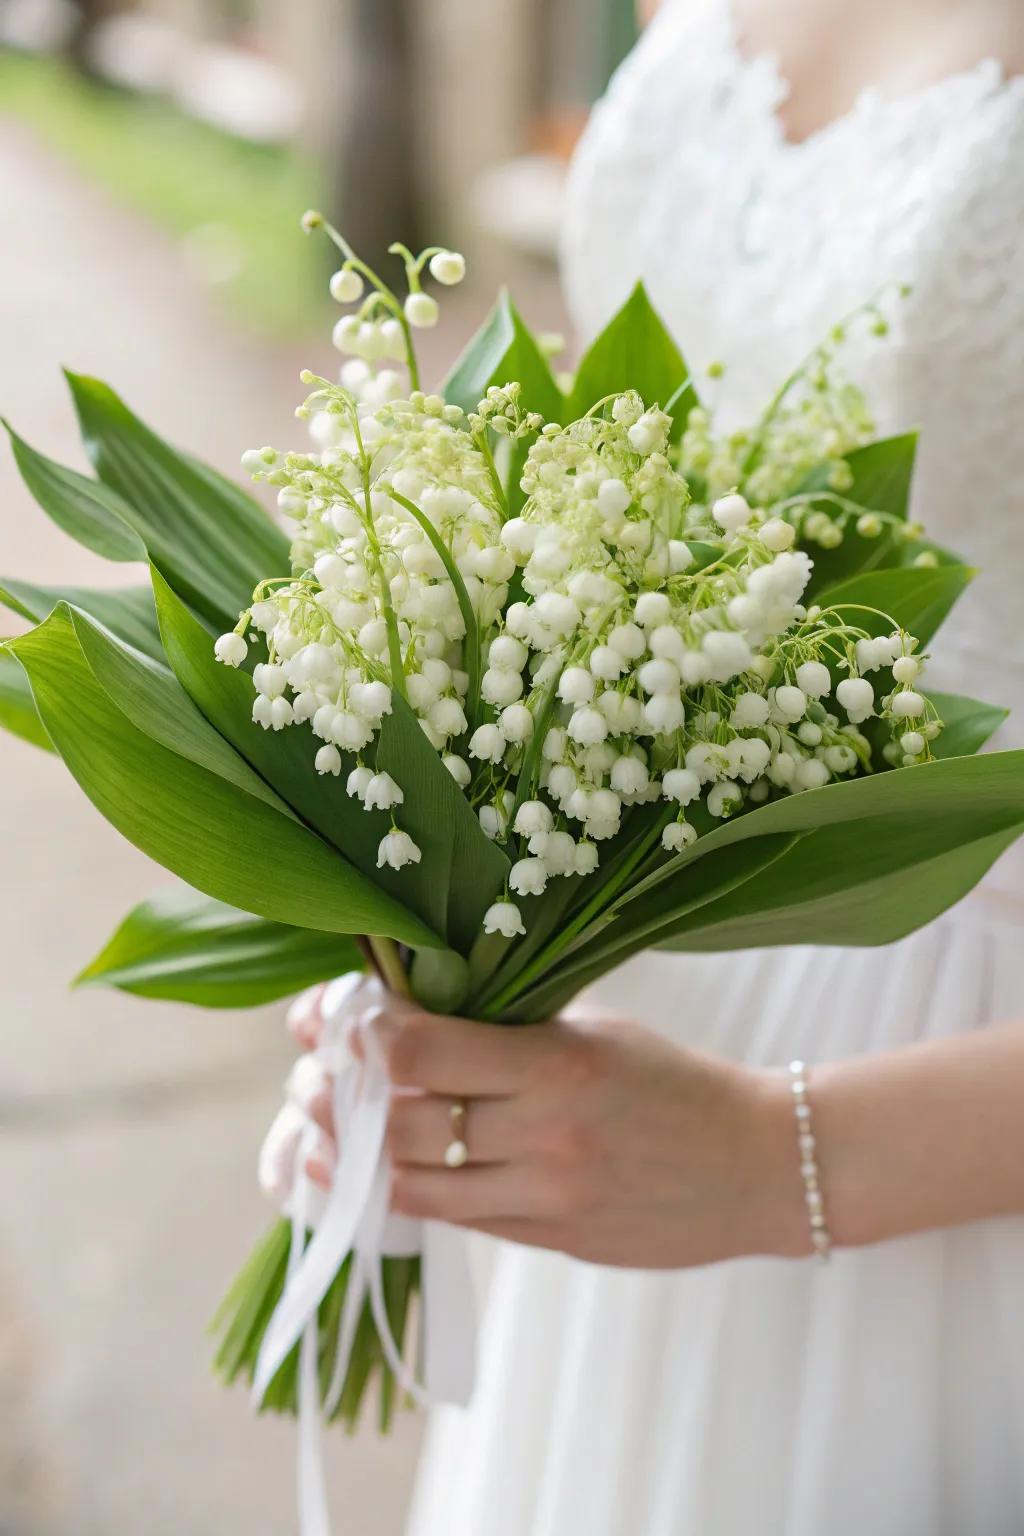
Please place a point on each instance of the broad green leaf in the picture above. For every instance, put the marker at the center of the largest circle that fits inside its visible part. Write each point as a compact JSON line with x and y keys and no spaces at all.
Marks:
{"x":458,"y":859}
{"x":969,"y":792}
{"x":503,"y":351}
{"x":967,"y":724}
{"x":86,"y":509}
{"x":883,"y":475}
{"x":862,"y":862}
{"x":616,"y":938}
{"x":183,"y":947}
{"x":17,"y":708}
{"x":634,"y":351}
{"x":918,"y":598}
{"x":209,"y":832}
{"x":149,"y":695}
{"x":127,"y":612}
{"x":904,"y":874}
{"x":435,"y":813}
{"x":213,"y":542}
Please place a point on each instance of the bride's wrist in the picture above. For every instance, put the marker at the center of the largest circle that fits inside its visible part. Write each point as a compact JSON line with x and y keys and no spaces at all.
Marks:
{"x":779,"y":1218}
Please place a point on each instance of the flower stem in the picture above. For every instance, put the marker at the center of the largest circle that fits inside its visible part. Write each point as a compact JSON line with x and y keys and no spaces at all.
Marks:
{"x":389,"y":963}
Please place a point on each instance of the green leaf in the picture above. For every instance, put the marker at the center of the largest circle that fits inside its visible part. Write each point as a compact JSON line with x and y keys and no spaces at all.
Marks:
{"x":853,"y":886}
{"x":458,"y":858}
{"x":918,"y":598}
{"x":883,"y":475}
{"x":967,"y":724}
{"x":634,"y":351}
{"x":967,"y":791}
{"x":614,"y":938}
{"x":503,"y":351}
{"x":862,"y":862}
{"x":182,"y":947}
{"x":213,"y":542}
{"x":86,"y":509}
{"x":148,"y":694}
{"x":17,"y":708}
{"x":436,"y":814}
{"x":211,"y":833}
{"x":127,"y":612}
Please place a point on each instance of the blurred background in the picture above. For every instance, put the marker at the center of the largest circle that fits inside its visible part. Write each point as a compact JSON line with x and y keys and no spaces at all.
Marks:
{"x":154,"y":161}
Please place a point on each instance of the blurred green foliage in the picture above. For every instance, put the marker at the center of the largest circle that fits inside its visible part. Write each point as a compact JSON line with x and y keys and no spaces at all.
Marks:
{"x":234,"y":206}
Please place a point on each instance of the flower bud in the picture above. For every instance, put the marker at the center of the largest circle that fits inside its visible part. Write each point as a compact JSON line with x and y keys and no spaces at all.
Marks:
{"x":790,"y":703}
{"x":776,"y":534}
{"x":814,"y":678}
{"x":907,"y":705}
{"x":588,"y":727}
{"x":421,"y":311}
{"x":448,"y":267}
{"x":681,"y":785}
{"x":857,"y":697}
{"x":905,"y":669}
{"x":613,"y":499}
{"x":731,"y":512}
{"x":458,"y":768}
{"x":346,"y":286}
{"x":576,"y":686}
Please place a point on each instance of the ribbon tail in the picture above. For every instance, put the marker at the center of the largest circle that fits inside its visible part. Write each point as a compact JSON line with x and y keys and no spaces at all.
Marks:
{"x":314,"y":1519}
{"x":335,"y":1236}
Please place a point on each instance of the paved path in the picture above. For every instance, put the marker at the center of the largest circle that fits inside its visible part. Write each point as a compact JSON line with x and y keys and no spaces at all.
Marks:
{"x":127,"y":1131}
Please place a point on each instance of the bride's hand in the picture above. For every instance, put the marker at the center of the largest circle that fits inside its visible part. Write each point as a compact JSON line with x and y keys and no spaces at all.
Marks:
{"x":589,"y":1135}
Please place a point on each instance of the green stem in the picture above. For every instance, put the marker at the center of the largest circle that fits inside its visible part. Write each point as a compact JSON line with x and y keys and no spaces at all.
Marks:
{"x":469,"y":619}
{"x":480,"y":439}
{"x":389,"y":963}
{"x":373,"y":544}
{"x":389,"y":297}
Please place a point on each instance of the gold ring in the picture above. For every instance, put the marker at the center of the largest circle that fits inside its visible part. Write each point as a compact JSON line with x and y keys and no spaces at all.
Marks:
{"x":457,"y":1152}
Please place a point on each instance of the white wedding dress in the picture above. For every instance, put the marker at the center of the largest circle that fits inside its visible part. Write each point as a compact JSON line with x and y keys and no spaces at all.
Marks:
{"x":882,"y":1395}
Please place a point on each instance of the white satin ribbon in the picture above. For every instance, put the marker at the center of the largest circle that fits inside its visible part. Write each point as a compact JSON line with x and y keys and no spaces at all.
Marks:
{"x":354,"y":1219}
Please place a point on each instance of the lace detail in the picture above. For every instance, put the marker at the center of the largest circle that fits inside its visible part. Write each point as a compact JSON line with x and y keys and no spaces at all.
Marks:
{"x":753,"y":246}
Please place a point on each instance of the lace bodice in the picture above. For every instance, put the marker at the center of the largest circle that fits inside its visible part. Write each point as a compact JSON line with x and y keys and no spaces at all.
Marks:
{"x":752,"y":247}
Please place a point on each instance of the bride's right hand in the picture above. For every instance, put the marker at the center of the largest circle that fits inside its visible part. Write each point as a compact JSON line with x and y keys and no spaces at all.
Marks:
{"x":307,"y":1101}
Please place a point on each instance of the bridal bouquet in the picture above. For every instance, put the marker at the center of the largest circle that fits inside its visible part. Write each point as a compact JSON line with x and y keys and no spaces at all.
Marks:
{"x":543,"y":673}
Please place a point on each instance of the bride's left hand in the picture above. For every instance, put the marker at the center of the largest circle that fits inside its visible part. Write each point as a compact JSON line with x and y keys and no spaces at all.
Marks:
{"x":593,"y":1136}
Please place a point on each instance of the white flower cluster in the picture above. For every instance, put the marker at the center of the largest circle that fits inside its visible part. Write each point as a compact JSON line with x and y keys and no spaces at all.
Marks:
{"x":613,"y":645}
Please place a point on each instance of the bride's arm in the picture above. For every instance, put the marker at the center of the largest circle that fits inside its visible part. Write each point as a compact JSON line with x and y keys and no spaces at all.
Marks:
{"x":605,"y":1140}
{"x":928,"y":1136}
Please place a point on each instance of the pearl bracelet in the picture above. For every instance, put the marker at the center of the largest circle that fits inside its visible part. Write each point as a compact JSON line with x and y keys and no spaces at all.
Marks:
{"x":809,"y":1170}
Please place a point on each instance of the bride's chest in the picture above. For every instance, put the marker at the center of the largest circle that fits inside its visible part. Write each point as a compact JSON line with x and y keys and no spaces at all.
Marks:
{"x":753,"y":247}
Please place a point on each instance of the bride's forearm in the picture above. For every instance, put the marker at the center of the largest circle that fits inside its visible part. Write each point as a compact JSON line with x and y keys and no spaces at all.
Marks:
{"x":928,"y":1136}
